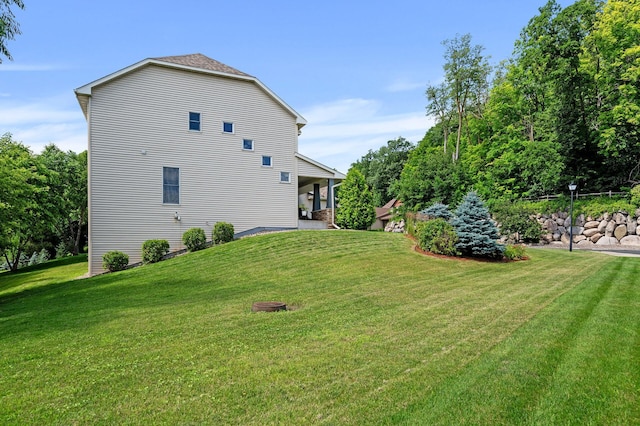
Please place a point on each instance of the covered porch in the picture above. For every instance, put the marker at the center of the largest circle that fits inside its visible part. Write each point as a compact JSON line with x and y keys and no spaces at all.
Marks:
{"x":316,"y":198}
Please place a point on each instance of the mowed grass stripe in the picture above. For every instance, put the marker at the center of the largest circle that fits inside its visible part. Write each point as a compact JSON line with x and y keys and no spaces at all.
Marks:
{"x":377,"y":329}
{"x":576,"y":362}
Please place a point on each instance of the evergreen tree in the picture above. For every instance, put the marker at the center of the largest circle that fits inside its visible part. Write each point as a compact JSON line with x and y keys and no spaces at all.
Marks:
{"x":477,"y":234}
{"x":437,"y":210}
{"x":356,"y":210}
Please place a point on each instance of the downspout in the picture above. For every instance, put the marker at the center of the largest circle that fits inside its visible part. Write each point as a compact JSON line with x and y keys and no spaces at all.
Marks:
{"x":333,"y":210}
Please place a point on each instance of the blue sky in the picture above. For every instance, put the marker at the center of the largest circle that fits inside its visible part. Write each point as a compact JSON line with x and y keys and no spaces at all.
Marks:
{"x":356,"y":70}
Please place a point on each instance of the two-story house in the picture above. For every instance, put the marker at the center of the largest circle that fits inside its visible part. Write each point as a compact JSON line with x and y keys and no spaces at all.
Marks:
{"x":186,"y":141}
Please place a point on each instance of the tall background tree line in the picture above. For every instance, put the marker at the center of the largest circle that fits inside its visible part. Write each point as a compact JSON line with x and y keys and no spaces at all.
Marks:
{"x":565,"y":107}
{"x":43,"y":202}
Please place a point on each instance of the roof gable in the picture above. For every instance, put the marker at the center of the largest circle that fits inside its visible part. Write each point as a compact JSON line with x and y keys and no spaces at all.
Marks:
{"x":193,"y":63}
{"x":198,"y":60}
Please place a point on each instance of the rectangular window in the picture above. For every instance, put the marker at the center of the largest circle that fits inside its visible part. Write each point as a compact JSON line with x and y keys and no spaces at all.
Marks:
{"x":171,"y":185}
{"x":285,"y":177}
{"x":266,"y":160}
{"x":247,"y":144}
{"x":194,"y":121}
{"x":227,"y":127}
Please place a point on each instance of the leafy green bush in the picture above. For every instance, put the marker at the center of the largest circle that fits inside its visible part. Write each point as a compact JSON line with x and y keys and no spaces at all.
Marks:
{"x":635,"y":196}
{"x":154,"y":250}
{"x":410,"y":223}
{"x":223,"y":232}
{"x":477,"y":234}
{"x":515,"y":252}
{"x":516,"y":219}
{"x":194,"y":239}
{"x":115,"y":261}
{"x":437,"y":236}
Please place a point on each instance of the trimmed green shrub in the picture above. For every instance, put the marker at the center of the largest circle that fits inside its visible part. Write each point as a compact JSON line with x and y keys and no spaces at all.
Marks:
{"x":194,"y":239}
{"x":515,"y":252}
{"x":114,"y":261}
{"x":223,"y":232}
{"x":477,"y":234}
{"x":154,"y":250}
{"x":437,"y":236}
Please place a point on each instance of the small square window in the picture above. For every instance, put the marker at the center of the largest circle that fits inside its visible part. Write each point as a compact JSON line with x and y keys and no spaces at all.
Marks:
{"x":266,"y":160}
{"x":247,"y":144}
{"x":227,"y":127}
{"x":285,"y":177}
{"x":194,"y":121}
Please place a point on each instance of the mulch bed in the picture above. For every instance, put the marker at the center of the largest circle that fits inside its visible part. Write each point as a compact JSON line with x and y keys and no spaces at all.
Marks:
{"x":460,"y":258}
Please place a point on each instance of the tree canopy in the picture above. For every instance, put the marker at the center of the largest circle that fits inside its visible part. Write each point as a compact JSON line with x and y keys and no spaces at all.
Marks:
{"x":565,"y":107}
{"x":9,"y":27}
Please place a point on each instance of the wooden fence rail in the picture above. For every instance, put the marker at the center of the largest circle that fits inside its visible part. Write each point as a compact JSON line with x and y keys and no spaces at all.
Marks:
{"x":609,"y":194}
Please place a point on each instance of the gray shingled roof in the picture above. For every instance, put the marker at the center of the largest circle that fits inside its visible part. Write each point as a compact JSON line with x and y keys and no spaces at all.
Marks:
{"x":198,"y":60}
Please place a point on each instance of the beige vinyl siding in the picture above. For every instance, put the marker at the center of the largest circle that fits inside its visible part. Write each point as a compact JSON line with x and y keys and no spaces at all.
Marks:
{"x":308,"y":169}
{"x":148,"y":110}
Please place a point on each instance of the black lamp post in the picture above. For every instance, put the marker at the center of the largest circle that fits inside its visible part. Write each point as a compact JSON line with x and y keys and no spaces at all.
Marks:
{"x":572,"y":188}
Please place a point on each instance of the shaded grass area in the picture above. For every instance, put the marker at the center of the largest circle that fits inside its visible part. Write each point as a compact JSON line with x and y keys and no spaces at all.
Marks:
{"x":32,"y":277}
{"x":377,"y":334}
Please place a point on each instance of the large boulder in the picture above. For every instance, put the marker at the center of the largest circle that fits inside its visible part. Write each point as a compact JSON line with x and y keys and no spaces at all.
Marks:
{"x":619,"y":218}
{"x":630,"y":240}
{"x":620,"y":232}
{"x":632,"y":225}
{"x":595,"y":237}
{"x":590,"y":232}
{"x":591,"y":224}
{"x":550,"y":225}
{"x":585,"y":243}
{"x":603,"y":226}
{"x":611,"y":226}
{"x":608,"y":241}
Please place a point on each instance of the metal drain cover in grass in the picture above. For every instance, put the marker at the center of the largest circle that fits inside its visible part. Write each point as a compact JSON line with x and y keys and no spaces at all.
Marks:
{"x":268,"y":306}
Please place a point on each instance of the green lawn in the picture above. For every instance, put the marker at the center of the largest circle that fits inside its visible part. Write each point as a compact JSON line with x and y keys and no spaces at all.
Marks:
{"x":377,"y":334}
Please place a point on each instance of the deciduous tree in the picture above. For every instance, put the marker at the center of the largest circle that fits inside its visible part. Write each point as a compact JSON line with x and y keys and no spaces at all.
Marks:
{"x":9,"y":27}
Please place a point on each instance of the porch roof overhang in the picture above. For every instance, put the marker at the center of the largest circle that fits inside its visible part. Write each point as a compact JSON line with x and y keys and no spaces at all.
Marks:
{"x":311,"y":171}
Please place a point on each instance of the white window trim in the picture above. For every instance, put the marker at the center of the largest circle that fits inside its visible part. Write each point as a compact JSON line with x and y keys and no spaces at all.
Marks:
{"x":285,"y":181}
{"x":252,"y":144}
{"x":199,"y":122}
{"x":270,"y":166}
{"x":233,"y":127}
{"x":179,"y":186}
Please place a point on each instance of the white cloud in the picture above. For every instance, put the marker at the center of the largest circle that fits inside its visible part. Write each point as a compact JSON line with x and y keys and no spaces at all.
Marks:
{"x":341,"y":132}
{"x":404,"y":85}
{"x":29,"y":67}
{"x":57,"y":120}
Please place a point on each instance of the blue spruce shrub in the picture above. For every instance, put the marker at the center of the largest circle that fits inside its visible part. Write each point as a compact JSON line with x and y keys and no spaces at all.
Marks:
{"x":477,"y":234}
{"x":437,"y":211}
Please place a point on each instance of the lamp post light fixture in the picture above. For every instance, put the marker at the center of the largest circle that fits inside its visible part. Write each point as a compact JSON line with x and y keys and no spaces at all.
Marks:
{"x":572,"y":188}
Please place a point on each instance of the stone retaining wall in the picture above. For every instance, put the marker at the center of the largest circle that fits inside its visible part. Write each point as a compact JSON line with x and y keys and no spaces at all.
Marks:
{"x":609,"y":229}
